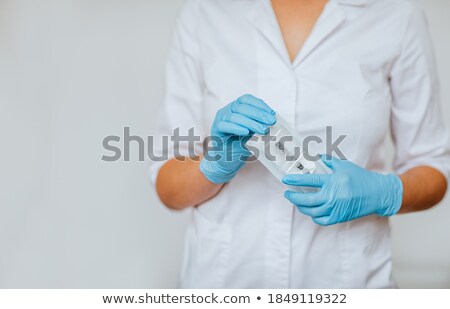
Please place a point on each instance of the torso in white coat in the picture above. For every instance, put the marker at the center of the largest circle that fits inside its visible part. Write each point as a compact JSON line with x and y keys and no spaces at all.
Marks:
{"x":366,"y":70}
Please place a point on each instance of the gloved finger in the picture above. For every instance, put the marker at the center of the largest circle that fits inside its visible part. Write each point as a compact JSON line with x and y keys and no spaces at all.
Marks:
{"x":246,"y":138}
{"x":330,"y":161}
{"x":311,"y":199}
{"x":253,"y":113}
{"x":251,"y":100}
{"x":250,"y":124}
{"x":232,"y":128}
{"x":238,"y":143}
{"x":324,"y":221}
{"x":315,"y":212}
{"x":306,"y":180}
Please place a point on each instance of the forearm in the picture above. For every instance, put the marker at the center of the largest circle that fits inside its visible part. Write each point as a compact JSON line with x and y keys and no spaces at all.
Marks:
{"x":181,"y":184}
{"x":423,"y":188}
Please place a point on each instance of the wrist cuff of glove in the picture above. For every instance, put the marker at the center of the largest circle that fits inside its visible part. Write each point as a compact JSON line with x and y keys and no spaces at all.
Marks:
{"x":393,"y":197}
{"x":214,"y":173}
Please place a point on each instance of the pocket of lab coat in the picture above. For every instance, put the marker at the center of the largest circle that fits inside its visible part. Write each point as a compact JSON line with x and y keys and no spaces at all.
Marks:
{"x":366,"y":255}
{"x":206,"y":255}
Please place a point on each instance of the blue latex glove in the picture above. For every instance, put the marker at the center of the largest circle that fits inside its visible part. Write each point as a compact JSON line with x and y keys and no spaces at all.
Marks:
{"x":232,"y":127}
{"x":349,"y":193}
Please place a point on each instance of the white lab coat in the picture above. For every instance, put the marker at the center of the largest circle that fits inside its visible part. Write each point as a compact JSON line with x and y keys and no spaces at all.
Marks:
{"x":367,"y":70}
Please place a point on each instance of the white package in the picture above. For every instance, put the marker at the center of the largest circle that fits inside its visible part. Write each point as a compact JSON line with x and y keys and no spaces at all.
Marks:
{"x":281,"y":152}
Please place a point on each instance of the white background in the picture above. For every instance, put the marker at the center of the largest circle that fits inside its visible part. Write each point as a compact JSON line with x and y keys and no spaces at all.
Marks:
{"x":75,"y":71}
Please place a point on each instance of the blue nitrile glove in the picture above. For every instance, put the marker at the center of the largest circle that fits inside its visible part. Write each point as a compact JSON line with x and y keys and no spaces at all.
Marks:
{"x":349,"y":193}
{"x":232,"y":127}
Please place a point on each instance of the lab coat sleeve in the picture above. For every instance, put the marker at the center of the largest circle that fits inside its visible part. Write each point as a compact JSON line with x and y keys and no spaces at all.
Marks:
{"x":181,"y":109}
{"x":418,"y":130}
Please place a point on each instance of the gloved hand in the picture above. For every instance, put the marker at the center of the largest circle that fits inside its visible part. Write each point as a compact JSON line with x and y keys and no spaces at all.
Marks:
{"x":349,"y":193}
{"x":232,"y":127}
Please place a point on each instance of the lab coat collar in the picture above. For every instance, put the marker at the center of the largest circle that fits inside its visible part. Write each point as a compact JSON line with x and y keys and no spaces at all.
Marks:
{"x":331,"y":19}
{"x":263,"y":18}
